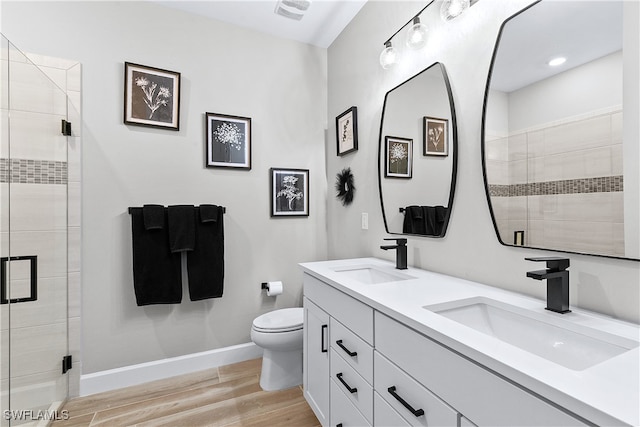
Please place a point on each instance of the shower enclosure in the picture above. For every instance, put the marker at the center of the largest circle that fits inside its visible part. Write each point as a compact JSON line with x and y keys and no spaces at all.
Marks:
{"x":38,"y":125}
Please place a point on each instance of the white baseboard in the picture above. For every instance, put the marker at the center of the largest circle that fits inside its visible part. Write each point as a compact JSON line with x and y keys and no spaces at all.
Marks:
{"x":137,"y":374}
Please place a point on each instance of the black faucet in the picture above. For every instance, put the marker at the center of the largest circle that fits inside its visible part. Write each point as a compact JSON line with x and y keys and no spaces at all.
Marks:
{"x":401,"y":252}
{"x":557,"y":282}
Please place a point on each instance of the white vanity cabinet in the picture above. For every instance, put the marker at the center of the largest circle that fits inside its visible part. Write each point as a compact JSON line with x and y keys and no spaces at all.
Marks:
{"x":338,"y":356}
{"x":482,"y":396}
{"x":316,"y":360}
{"x":379,"y":358}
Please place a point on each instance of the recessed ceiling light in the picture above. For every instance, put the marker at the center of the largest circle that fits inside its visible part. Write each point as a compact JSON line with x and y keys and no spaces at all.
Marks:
{"x":557,"y":61}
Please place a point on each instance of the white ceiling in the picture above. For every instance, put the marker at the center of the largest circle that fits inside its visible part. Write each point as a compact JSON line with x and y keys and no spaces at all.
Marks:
{"x":323,"y":21}
{"x":581,"y":31}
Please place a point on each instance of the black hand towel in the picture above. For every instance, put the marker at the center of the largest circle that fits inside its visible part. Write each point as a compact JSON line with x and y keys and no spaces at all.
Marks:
{"x":157,"y":275}
{"x":154,"y":216}
{"x":414,"y":220}
{"x":206,"y":263}
{"x":209,"y":213}
{"x":182,"y":228}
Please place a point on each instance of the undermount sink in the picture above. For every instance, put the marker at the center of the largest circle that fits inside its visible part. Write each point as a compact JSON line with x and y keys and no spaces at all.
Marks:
{"x":546,"y":335}
{"x":371,"y":274}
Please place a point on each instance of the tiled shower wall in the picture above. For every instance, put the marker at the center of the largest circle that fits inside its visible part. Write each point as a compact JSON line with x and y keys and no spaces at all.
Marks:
{"x":562,"y":185}
{"x":42,"y":168}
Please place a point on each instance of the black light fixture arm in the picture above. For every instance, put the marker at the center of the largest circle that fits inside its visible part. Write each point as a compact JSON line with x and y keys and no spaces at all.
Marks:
{"x":417,"y":15}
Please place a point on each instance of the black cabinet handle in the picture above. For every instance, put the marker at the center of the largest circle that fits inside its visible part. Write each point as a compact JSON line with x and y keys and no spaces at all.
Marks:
{"x":351,"y":390}
{"x":349,"y":352}
{"x":323,"y":347}
{"x":392,"y":392}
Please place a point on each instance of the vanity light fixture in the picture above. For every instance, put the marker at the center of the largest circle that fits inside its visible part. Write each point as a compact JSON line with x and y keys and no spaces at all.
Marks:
{"x":389,"y":56}
{"x":557,"y":61}
{"x":417,"y":34}
{"x":453,"y":8}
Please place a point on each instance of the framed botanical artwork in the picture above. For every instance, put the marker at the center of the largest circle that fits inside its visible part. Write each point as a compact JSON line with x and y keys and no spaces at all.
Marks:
{"x":436,"y":137}
{"x":398,"y":157}
{"x":347,"y":131}
{"x":289,"y":192}
{"x":151,"y":97}
{"x":228,"y":141}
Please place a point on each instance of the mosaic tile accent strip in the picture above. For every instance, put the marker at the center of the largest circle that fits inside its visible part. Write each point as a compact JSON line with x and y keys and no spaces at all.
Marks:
{"x":26,"y":171}
{"x":602,"y":184}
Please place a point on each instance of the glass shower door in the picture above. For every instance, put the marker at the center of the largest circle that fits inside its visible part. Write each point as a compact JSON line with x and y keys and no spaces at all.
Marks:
{"x":33,"y":242}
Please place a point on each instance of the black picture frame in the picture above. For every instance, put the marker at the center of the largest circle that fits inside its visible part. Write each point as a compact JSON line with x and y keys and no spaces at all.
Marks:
{"x":347,"y":132}
{"x":398,"y":157}
{"x":228,"y":141}
{"x":289,"y":192}
{"x":151,"y":97}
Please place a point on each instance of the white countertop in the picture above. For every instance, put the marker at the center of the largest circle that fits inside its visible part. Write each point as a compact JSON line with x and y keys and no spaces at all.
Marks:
{"x":605,"y":394}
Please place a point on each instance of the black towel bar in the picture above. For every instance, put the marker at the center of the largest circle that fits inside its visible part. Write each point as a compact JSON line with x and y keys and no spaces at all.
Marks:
{"x":224,"y":209}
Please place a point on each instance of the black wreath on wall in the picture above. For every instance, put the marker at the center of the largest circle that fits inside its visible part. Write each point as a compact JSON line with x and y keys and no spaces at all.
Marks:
{"x":345,"y":186}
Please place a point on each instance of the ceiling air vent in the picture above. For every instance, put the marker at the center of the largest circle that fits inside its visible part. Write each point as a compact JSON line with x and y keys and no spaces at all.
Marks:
{"x":292,"y":9}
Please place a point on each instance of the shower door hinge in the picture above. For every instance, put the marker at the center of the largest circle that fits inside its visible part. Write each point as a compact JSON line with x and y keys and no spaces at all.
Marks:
{"x":66,"y":363}
{"x":66,"y":128}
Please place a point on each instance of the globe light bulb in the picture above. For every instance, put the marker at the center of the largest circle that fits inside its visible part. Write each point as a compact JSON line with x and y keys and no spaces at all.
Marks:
{"x":452,"y":8}
{"x":417,"y":34}
{"x":389,"y":56}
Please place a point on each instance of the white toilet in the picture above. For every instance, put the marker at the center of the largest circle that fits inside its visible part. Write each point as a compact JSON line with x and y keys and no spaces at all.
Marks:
{"x":279,"y":333}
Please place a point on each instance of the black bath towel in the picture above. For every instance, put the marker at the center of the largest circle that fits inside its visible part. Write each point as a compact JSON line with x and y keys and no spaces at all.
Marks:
{"x":205,"y":264}
{"x":424,"y":220}
{"x":182,"y":227}
{"x":156,"y":271}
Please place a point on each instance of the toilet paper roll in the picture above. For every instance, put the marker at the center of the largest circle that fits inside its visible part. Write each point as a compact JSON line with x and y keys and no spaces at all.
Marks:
{"x":274,"y":288}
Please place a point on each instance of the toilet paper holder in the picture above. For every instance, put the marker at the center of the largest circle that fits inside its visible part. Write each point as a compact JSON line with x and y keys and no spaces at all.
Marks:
{"x":264,"y":285}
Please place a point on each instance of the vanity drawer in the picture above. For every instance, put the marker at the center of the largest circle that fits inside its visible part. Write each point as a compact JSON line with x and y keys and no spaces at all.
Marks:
{"x":343,"y":413}
{"x":353,"y":349}
{"x":345,"y":377}
{"x":464,"y":384}
{"x":385,"y":415}
{"x":357,"y":316}
{"x":422,"y":408}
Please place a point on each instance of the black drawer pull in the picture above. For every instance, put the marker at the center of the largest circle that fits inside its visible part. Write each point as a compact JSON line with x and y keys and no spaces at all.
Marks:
{"x":392,"y":392}
{"x":349,"y":352}
{"x":351,"y":390}
{"x":323,"y":330}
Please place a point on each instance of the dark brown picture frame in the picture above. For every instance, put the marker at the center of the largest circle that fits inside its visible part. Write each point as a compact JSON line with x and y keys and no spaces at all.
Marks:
{"x":151,"y":97}
{"x":435,"y":140}
{"x":347,"y":131}
{"x":398,"y":157}
{"x":289,"y":192}
{"x":228,"y":141}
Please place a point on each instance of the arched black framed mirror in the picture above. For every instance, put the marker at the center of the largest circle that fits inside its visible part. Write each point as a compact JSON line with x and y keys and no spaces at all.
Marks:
{"x":417,"y":155}
{"x":560,"y":164}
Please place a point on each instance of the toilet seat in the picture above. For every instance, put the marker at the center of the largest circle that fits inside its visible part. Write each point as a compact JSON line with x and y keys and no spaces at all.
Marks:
{"x":282,"y":320}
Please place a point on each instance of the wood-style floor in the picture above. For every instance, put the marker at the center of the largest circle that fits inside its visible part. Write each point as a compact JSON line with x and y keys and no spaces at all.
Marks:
{"x":225,"y":396}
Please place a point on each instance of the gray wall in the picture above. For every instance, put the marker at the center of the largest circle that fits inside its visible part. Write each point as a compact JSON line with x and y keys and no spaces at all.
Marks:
{"x":280,"y":84}
{"x":470,"y":250}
